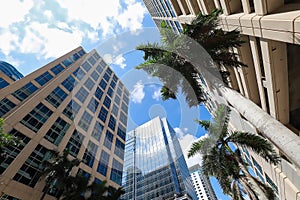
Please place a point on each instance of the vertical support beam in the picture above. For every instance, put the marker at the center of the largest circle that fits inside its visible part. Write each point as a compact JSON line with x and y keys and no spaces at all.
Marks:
{"x":239,"y":82}
{"x":263,"y":7}
{"x":246,"y":6}
{"x":257,"y":66}
{"x":207,"y":5}
{"x":276,"y":70}
{"x":231,"y":6}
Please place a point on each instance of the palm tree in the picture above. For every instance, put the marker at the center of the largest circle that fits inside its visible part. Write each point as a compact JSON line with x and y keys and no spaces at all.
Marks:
{"x":57,"y":170}
{"x":174,"y":55}
{"x":225,"y":163}
{"x":171,"y":60}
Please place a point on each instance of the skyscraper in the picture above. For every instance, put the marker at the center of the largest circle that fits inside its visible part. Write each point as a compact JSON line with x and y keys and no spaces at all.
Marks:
{"x":75,"y":102}
{"x":269,"y":84}
{"x":8,"y":74}
{"x":154,"y":166}
{"x":201,"y":184}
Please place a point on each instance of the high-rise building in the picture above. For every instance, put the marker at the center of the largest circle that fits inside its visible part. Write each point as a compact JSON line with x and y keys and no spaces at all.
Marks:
{"x":8,"y":74}
{"x":201,"y":184}
{"x":154,"y":166}
{"x":75,"y":102}
{"x":271,"y":32}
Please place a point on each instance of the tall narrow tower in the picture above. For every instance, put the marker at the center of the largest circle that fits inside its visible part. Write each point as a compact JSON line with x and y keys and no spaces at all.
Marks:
{"x":154,"y":166}
{"x":75,"y":102}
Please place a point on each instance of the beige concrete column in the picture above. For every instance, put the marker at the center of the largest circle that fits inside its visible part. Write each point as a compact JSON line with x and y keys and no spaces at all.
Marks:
{"x":176,"y":7}
{"x":275,"y":65}
{"x":256,"y":62}
{"x":207,"y":6}
{"x":263,"y":7}
{"x":183,"y":7}
{"x":194,"y":7}
{"x":246,"y":6}
{"x":217,"y":4}
{"x":231,"y":6}
{"x":247,"y":74}
{"x":239,"y":82}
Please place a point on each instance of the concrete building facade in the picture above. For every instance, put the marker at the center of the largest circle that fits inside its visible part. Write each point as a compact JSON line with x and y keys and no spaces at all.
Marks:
{"x":201,"y":184}
{"x":154,"y":166}
{"x":75,"y":102}
{"x":271,"y":31}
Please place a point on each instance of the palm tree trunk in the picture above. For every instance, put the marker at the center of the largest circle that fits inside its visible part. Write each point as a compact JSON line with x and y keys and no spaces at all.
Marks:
{"x":283,"y":138}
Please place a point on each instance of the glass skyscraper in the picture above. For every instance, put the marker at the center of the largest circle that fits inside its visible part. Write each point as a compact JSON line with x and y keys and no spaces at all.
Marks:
{"x":154,"y":165}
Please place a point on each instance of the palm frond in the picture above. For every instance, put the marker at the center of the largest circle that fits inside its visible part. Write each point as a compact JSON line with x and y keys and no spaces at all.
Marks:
{"x":203,"y":123}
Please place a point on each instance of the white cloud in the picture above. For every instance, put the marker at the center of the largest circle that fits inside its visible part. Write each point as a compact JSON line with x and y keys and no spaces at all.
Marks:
{"x":138,"y":94}
{"x":179,"y":132}
{"x":13,"y":11}
{"x":8,"y":42}
{"x":156,"y":95}
{"x":120,"y":61}
{"x":48,"y":14}
{"x":132,"y":18}
{"x":186,"y":142}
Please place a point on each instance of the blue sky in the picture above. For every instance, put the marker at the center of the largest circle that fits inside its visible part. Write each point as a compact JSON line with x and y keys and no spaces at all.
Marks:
{"x":33,"y":33}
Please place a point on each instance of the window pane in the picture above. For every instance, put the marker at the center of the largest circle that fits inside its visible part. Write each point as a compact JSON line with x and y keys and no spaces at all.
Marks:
{"x":75,"y":143}
{"x":57,"y":131}
{"x":67,"y":62}
{"x":3,"y":83}
{"x":85,"y":121}
{"x":95,"y":76}
{"x":103,"y":114}
{"x":79,"y":73}
{"x":102,"y":84}
{"x":98,"y":93}
{"x":57,"y":69}
{"x":116,"y":172}
{"x":97,"y":131}
{"x":6,"y":106}
{"x":56,"y":97}
{"x":37,"y":117}
{"x":81,"y":95}
{"x":71,"y":109}
{"x":93,"y":105}
{"x":69,"y":83}
{"x":108,"y":139}
{"x":112,"y":123}
{"x":25,"y":91}
{"x":92,"y":60}
{"x":86,"y":66}
{"x":89,"y":154}
{"x":107,"y":102}
{"x":103,"y":163}
{"x":44,"y":78}
{"x":89,"y":84}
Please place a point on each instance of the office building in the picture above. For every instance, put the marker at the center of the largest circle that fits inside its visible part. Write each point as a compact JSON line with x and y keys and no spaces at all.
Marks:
{"x":8,"y":74}
{"x":75,"y":102}
{"x":271,"y":30}
{"x":154,"y":166}
{"x":201,"y":184}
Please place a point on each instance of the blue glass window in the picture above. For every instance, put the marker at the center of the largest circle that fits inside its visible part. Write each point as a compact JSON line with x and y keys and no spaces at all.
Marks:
{"x":119,"y":149}
{"x":117,"y":100}
{"x":3,"y":83}
{"x":69,"y":83}
{"x":97,"y":131}
{"x":56,"y":97}
{"x":44,"y":78}
{"x":99,"y":69}
{"x":113,"y":84}
{"x":57,"y":69}
{"x":110,"y":92}
{"x":96,"y":56}
{"x":57,"y":131}
{"x":107,"y":102}
{"x":92,"y":60}
{"x":67,"y":62}
{"x":89,"y":154}
{"x":75,"y":56}
{"x":109,"y":71}
{"x":102,"y":84}
{"x":115,"y":110}
{"x":103,"y":114}
{"x":124,"y":107}
{"x":116,"y":172}
{"x":86,"y":66}
{"x":112,"y":123}
{"x":106,"y":77}
{"x":81,"y":94}
{"x":89,"y":84}
{"x":121,"y":132}
{"x":85,"y":121}
{"x":95,"y":76}
{"x":81,"y":52}
{"x":102,"y":63}
{"x":37,"y":117}
{"x":93,"y":105}
{"x":98,"y":93}
{"x":103,"y":163}
{"x":71,"y":109}
{"x":75,"y":143}
{"x":79,"y":73}
{"x":123,"y":118}
{"x":115,"y":78}
{"x":119,"y":91}
{"x":25,"y":91}
{"x":108,"y":139}
{"x":6,"y":106}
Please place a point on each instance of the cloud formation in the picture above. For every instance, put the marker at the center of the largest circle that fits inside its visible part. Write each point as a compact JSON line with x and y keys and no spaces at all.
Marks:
{"x":48,"y":29}
{"x":156,"y":95}
{"x":138,"y":94}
